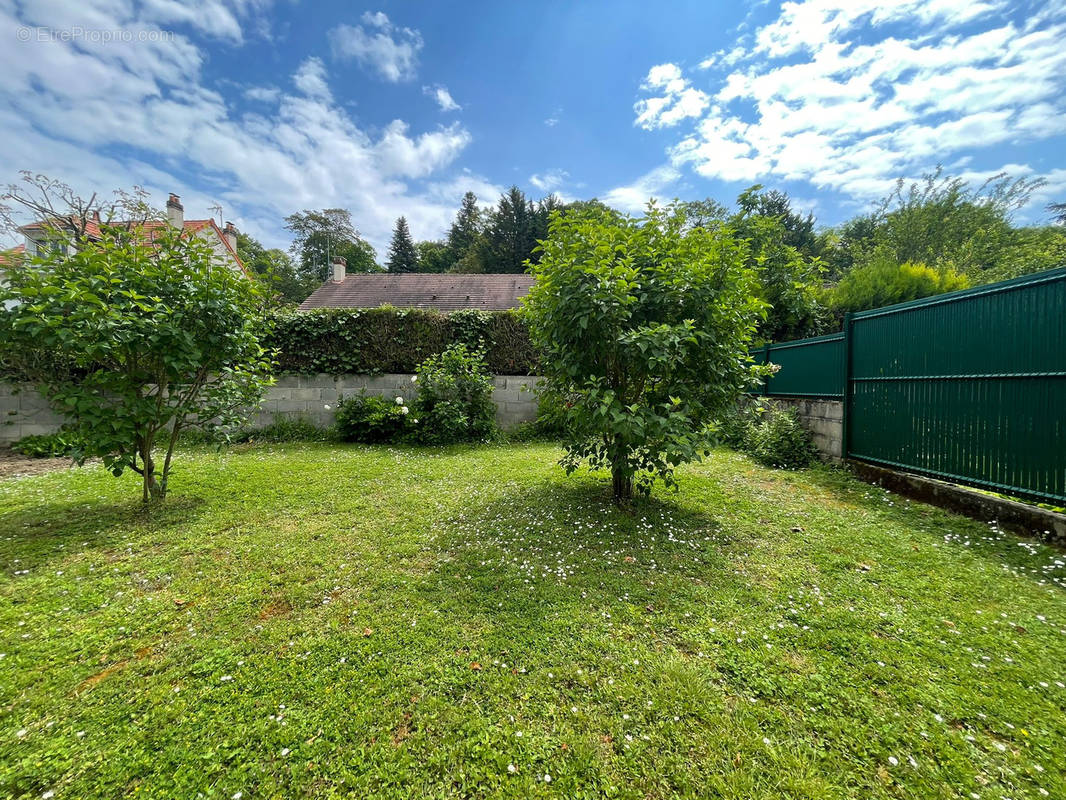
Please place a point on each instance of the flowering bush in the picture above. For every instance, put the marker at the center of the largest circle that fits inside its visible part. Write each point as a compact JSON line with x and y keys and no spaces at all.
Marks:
{"x":371,"y":419}
{"x":454,"y":398}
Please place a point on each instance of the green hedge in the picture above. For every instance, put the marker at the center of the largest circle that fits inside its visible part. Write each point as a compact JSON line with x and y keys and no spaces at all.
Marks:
{"x":378,"y":340}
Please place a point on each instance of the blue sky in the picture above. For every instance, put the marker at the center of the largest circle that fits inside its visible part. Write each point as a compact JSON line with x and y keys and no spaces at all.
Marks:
{"x":398,"y":108}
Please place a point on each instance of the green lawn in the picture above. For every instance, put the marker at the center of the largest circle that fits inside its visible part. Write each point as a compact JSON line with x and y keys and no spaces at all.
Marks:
{"x":331,"y":621}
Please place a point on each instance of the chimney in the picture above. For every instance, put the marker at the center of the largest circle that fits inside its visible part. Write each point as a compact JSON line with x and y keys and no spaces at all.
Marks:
{"x":231,"y":236}
{"x":175,"y":212}
{"x":340,"y":268}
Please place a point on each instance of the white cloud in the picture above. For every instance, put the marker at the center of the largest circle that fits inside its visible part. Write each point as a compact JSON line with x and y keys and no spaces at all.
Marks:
{"x":634,"y":197}
{"x":66,"y":110}
{"x":389,"y":50}
{"x":263,"y":94}
{"x":831,"y":94}
{"x":442,"y":96}
{"x":310,"y":79}
{"x":399,"y":154}
{"x":550,"y":181}
{"x":678,"y":100}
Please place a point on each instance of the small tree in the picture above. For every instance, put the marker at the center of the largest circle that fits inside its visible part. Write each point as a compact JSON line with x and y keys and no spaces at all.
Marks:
{"x":643,"y":327}
{"x":135,"y":337}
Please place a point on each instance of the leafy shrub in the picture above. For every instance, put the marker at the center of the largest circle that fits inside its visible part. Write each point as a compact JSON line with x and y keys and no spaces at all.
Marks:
{"x":62,"y":444}
{"x":288,"y":429}
{"x":778,"y":439}
{"x":371,"y":419}
{"x":377,"y":340}
{"x":883,"y":282}
{"x":551,"y":421}
{"x":735,"y":424}
{"x":454,"y":398}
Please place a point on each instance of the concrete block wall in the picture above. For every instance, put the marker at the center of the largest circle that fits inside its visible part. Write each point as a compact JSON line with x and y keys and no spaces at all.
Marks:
{"x":312,"y":397}
{"x":823,"y":418}
{"x":23,"y":412}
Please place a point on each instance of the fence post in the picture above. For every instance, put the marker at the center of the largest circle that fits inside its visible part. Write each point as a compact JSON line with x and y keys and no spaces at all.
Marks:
{"x":845,"y":426}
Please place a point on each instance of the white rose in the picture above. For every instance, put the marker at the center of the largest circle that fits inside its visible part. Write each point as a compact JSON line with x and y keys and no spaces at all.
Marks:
{"x":414,"y":379}
{"x":404,"y":409}
{"x":399,"y":400}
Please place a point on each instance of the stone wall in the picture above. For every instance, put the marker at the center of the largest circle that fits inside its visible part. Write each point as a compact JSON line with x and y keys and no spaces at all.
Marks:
{"x":823,"y":418}
{"x":313,"y":397}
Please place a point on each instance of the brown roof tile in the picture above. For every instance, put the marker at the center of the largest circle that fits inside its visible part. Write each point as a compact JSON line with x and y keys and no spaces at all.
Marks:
{"x":420,"y":290}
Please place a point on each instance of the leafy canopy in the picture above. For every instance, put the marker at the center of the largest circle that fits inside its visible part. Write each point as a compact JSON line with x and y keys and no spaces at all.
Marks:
{"x":133,"y":341}
{"x":643,"y":327}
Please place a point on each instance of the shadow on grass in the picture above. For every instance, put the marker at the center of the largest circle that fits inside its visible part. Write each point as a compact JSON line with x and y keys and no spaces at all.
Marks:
{"x":32,"y":534}
{"x":1030,"y":556}
{"x":535,"y":558}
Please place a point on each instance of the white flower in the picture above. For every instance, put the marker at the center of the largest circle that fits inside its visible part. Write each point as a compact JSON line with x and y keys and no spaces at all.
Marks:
{"x":285,"y":751}
{"x":893,"y":760}
{"x":547,"y":778}
{"x":414,"y":379}
{"x":48,"y":795}
{"x":399,"y":400}
{"x":404,"y":409}
{"x":327,"y":406}
{"x":512,"y":768}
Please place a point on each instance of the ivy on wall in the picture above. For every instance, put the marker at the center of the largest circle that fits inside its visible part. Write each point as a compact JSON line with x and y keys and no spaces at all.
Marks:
{"x":379,"y":340}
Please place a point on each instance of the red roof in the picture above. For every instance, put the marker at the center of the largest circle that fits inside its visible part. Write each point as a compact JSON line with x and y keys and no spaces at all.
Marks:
{"x":451,"y":292}
{"x":92,"y":230}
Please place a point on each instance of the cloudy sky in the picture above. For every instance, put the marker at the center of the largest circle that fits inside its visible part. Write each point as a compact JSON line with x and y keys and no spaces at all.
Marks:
{"x":398,"y":108}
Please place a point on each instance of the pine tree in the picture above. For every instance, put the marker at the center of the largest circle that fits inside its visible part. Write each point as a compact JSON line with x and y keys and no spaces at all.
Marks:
{"x":465,"y":232}
{"x":403,"y":257}
{"x":510,"y":236}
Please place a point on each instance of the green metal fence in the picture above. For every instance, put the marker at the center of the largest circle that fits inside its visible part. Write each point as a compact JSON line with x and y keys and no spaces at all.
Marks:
{"x":968,"y":386}
{"x":809,"y":367}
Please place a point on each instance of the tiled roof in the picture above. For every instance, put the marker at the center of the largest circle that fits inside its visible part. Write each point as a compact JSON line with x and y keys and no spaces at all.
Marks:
{"x":419,"y":290}
{"x":92,"y":230}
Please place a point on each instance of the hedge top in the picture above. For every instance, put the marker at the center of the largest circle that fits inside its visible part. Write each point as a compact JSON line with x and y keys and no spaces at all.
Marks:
{"x":372,"y":341}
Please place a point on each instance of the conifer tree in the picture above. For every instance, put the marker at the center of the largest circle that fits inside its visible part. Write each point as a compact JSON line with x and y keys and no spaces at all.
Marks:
{"x":403,"y":256}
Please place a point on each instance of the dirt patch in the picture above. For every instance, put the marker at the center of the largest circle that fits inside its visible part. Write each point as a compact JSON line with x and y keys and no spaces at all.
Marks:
{"x":92,"y":680}
{"x":16,"y":465}
{"x":278,"y":608}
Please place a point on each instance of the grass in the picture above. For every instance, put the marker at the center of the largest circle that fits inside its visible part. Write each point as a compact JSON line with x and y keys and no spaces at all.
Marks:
{"x":337,"y":621}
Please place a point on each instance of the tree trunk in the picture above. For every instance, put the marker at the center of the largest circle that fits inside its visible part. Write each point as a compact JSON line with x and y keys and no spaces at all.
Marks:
{"x":621,"y":485}
{"x":150,"y":488}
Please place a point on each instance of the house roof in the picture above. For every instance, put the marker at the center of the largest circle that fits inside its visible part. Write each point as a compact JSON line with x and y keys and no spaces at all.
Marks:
{"x":419,"y":290}
{"x":92,"y":230}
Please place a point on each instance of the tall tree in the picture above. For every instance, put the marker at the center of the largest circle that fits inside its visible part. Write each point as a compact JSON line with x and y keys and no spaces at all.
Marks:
{"x":433,"y":256}
{"x":779,"y":253}
{"x":775,"y":204}
{"x":465,"y":232}
{"x":509,"y":240}
{"x":283,"y":283}
{"x":320,"y":235}
{"x":403,"y":257}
